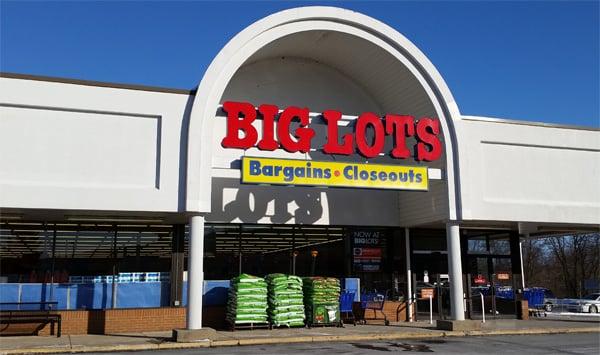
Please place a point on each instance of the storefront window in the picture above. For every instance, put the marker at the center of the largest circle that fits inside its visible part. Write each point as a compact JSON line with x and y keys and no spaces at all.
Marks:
{"x":477,"y":246}
{"x":500,"y":246}
{"x":494,"y":244}
{"x":502,"y":266}
{"x":86,"y":265}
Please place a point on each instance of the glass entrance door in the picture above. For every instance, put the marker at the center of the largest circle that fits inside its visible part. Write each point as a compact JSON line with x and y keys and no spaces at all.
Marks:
{"x":490,"y":278}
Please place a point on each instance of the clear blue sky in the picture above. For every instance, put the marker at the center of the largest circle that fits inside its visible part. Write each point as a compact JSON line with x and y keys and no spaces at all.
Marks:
{"x":529,"y":60}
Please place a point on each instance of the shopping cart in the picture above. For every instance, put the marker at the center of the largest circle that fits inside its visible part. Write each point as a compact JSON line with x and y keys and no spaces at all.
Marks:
{"x":346,"y":302}
{"x":373,"y":301}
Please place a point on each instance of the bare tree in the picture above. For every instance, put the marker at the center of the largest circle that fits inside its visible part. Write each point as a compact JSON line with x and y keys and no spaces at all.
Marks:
{"x":577,"y":258}
{"x":533,"y":258}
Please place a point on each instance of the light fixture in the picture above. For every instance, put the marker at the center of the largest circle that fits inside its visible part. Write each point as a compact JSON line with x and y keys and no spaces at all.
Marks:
{"x":113,"y":219}
{"x":10,"y":216}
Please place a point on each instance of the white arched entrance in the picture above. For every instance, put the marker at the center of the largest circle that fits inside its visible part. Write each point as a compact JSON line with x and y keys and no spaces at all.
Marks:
{"x":356,"y":36}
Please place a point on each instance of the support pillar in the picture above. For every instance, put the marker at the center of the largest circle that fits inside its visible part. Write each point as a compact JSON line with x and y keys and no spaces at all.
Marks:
{"x":521,"y":257}
{"x":177,"y":260}
{"x":52,"y":269}
{"x":348,"y":253}
{"x":516,"y":260}
{"x":195,"y":273}
{"x":114,"y":269}
{"x":455,"y":270}
{"x":408,"y":274}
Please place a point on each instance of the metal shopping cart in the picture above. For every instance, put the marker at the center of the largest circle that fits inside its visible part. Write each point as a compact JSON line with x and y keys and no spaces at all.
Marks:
{"x":346,"y":303}
{"x":373,"y":301}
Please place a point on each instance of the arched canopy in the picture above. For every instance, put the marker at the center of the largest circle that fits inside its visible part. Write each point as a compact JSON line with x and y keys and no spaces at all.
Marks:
{"x":391,"y":68}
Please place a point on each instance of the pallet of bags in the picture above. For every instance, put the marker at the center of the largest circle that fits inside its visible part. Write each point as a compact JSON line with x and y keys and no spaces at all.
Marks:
{"x":321,"y":300}
{"x":247,"y":302}
{"x":286,"y":300}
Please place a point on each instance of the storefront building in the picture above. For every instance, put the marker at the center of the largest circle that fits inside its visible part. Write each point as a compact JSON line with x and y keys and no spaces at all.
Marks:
{"x":319,"y":141}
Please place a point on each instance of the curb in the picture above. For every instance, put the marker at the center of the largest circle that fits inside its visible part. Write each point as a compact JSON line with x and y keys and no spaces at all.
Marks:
{"x":533,"y":331}
{"x":298,"y":339}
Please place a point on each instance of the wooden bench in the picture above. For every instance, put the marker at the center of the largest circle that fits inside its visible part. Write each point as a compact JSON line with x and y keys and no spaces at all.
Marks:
{"x":41,"y":313}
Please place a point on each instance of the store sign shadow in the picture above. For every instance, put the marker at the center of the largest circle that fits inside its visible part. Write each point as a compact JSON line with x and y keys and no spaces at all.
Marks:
{"x":236,"y":202}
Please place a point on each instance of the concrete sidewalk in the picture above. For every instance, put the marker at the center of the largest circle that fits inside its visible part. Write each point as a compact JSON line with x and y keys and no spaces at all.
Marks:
{"x":162,"y":340}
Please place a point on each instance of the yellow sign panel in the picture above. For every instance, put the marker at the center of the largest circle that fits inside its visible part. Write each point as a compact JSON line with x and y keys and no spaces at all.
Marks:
{"x":336,"y":174}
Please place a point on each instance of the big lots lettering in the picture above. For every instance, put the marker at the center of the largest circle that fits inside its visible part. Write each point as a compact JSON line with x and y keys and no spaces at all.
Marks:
{"x":240,"y":116}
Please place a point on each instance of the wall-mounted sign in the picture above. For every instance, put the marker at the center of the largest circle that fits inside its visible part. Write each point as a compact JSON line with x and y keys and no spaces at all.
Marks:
{"x":503,"y":276}
{"x":241,"y":115}
{"x":368,"y":246}
{"x":479,"y":280}
{"x":367,"y":259}
{"x":366,"y":237}
{"x":426,"y":293}
{"x":335,"y":174}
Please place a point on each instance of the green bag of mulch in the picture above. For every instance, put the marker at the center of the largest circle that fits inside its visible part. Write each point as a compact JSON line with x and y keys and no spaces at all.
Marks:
{"x":247,"y":300}
{"x":321,"y":292}
{"x":285,"y":300}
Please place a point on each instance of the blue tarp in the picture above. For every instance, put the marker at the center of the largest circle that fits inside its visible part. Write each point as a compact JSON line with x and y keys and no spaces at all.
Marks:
{"x":9,"y":292}
{"x":129,"y":295}
{"x":99,"y":295}
{"x":143,"y":294}
{"x":215,"y":293}
{"x":185,"y":294}
{"x":90,"y":296}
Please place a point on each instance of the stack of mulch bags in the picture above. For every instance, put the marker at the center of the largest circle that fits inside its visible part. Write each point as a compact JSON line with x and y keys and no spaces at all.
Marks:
{"x":247,"y":301}
{"x":321,"y":299}
{"x":286,"y":307}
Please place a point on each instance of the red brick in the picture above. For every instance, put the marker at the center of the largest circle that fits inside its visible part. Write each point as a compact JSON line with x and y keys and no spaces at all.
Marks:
{"x":119,"y":321}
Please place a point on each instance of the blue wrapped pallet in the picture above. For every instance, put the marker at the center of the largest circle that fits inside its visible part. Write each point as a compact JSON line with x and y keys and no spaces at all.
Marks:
{"x":98,"y":279}
{"x":124,"y":277}
{"x":76,"y":279}
{"x":151,"y":276}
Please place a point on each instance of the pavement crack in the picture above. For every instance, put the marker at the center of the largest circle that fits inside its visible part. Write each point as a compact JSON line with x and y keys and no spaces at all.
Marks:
{"x":370,"y":347}
{"x":421,"y":348}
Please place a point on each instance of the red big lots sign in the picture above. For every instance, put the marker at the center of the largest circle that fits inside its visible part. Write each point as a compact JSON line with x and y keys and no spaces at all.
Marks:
{"x":240,"y":116}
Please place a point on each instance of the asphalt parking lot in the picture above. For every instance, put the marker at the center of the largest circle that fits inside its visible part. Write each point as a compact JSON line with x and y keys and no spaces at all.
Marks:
{"x":580,"y":343}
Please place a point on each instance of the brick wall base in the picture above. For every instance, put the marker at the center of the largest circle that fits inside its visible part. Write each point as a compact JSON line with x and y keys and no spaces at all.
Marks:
{"x":113,"y":321}
{"x":110,"y":321}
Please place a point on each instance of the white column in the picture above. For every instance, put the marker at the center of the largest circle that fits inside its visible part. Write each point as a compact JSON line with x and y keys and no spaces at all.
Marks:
{"x":408,"y":274}
{"x":455,"y":270}
{"x":195,"y":272}
{"x":521,"y":256}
